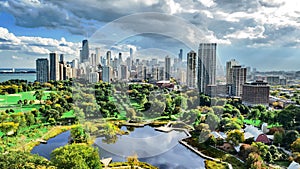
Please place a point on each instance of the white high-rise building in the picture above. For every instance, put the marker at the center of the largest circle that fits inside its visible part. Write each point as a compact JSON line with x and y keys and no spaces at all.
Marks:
{"x":107,"y":74}
{"x":108,"y":58}
{"x":229,"y":65}
{"x":122,"y":72}
{"x":239,"y":75}
{"x":206,"y":66}
{"x":93,"y":77}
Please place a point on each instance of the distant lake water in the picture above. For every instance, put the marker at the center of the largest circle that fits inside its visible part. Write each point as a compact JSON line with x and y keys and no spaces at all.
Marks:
{"x":30,"y":77}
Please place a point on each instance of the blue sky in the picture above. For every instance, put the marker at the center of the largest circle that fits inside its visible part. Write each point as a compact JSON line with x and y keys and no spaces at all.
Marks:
{"x":259,"y":33}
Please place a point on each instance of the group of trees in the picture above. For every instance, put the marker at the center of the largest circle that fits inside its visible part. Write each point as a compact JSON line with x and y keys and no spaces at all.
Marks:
{"x":229,"y":115}
{"x":50,"y":110}
{"x":257,"y":153}
{"x":20,"y":159}
{"x":13,"y":122}
{"x":76,"y":156}
{"x":16,"y":86}
{"x":66,"y":157}
{"x":94,"y":100}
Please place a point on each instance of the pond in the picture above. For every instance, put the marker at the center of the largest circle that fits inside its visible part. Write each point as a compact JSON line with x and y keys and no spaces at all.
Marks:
{"x":156,"y":148}
{"x":53,"y":143}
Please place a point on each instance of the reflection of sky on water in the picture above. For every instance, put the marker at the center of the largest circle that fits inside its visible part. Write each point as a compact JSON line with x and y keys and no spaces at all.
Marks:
{"x":142,"y":132}
{"x":145,"y":142}
{"x":157,"y":148}
{"x":53,"y":143}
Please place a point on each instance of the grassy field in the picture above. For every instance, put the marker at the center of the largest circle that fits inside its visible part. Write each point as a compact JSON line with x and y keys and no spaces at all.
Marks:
{"x":11,"y":101}
{"x":257,"y":123}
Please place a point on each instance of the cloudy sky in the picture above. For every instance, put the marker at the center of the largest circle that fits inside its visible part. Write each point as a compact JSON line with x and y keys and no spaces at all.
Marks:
{"x":259,"y":33}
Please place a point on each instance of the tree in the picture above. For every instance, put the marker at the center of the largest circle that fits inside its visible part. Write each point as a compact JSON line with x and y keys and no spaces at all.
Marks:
{"x":30,"y":120}
{"x":39,"y":95}
{"x":278,"y":138}
{"x":289,"y":116}
{"x":262,"y":148}
{"x":20,"y":102}
{"x":254,"y":161}
{"x":204,"y":135}
{"x":254,"y":114}
{"x":180,"y":101}
{"x":260,"y":107}
{"x":212,"y":120}
{"x":169,"y":106}
{"x":202,"y":126}
{"x":232,"y":125}
{"x":235,"y":137}
{"x":133,"y":160}
{"x":52,"y":113}
{"x":218,"y":110}
{"x":191,"y":116}
{"x":79,"y":114}
{"x":269,"y":158}
{"x":245,"y":150}
{"x":295,"y":146}
{"x":130,"y":113}
{"x":290,"y":137}
{"x":19,"y":159}
{"x":76,"y":156}
{"x":25,"y":101}
{"x":79,"y":135}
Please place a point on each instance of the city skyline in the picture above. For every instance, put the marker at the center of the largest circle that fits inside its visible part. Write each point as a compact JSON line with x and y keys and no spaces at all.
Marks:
{"x":261,"y":34}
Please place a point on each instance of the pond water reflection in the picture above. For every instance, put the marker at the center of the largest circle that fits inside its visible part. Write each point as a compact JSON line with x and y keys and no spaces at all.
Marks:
{"x":156,"y":148}
{"x":53,"y":143}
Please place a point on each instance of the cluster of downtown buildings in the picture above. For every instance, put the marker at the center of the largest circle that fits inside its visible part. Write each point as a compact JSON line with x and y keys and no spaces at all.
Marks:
{"x":197,"y":72}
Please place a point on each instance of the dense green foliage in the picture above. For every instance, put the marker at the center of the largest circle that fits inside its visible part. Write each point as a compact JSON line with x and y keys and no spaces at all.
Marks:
{"x":20,"y":160}
{"x":76,"y":156}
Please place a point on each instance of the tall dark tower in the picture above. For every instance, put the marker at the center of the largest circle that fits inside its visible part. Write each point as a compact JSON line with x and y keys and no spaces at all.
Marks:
{"x":180,"y":55}
{"x":42,"y":70}
{"x":84,"y":53}
{"x":206,"y":66}
{"x":120,"y":57}
{"x":54,"y":66}
{"x":61,"y":58}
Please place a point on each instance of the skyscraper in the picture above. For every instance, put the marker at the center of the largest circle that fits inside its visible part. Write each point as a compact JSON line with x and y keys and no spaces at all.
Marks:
{"x":120,"y":59}
{"x":42,"y":70}
{"x":238,"y":79}
{"x":54,"y":66}
{"x":107,"y":74}
{"x":229,"y":65}
{"x":84,"y":53}
{"x":167,"y":68}
{"x":191,"y":69}
{"x":108,"y":58}
{"x":180,"y":55}
{"x":131,"y":58}
{"x":61,"y":58}
{"x":206,"y":66}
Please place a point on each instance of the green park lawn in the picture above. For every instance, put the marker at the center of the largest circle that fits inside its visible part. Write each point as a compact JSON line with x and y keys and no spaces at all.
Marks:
{"x":257,"y":123}
{"x":10,"y":101}
{"x":69,"y":114}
